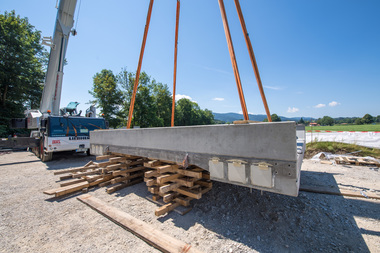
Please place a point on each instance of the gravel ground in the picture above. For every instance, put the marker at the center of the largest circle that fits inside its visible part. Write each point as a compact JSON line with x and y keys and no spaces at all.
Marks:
{"x":227,"y":219}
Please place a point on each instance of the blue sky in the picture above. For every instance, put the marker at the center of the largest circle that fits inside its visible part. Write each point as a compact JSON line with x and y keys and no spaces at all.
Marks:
{"x":315,"y":58}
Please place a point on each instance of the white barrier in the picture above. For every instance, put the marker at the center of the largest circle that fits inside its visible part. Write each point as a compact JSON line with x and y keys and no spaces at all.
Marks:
{"x":366,"y":139}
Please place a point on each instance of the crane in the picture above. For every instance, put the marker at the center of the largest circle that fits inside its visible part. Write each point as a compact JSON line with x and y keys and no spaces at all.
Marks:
{"x":56,"y":129}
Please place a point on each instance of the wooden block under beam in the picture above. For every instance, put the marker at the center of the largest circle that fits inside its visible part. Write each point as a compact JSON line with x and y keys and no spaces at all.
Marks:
{"x":166,"y":208}
{"x":190,"y":193}
{"x":169,"y":197}
{"x":167,"y":178}
{"x":153,"y":163}
{"x":203,"y":183}
{"x":183,"y":201}
{"x":166,"y":168}
{"x":190,"y":173}
{"x":188,"y":182}
{"x":169,"y":187}
{"x":151,"y":173}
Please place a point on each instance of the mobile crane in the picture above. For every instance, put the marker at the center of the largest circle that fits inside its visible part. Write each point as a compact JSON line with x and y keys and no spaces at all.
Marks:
{"x":58,"y":129}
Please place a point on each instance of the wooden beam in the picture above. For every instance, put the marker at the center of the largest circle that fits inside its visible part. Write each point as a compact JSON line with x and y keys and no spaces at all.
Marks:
{"x":167,"y":178}
{"x":169,"y":187}
{"x":189,"y":193}
{"x":166,"y":208}
{"x":339,"y":192}
{"x":71,"y":182}
{"x":74,"y":169}
{"x":153,"y":236}
{"x":190,"y":173}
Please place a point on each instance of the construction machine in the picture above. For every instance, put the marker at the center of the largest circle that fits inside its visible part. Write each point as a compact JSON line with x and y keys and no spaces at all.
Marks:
{"x":56,"y":129}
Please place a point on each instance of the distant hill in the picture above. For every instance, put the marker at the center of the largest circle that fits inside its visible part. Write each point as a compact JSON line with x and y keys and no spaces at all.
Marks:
{"x":231,"y":116}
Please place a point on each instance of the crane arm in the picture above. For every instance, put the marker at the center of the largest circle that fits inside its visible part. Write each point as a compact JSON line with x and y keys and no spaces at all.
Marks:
{"x":51,"y":96}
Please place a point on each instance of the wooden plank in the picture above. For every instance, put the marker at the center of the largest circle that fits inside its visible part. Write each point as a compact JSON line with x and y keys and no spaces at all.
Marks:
{"x":153,"y":189}
{"x":74,"y":169}
{"x":348,"y":193}
{"x":135,"y":169}
{"x":206,"y":176}
{"x":207,"y":183}
{"x":167,"y":178}
{"x":151,"y":173}
{"x":101,"y":180}
{"x":66,"y":177}
{"x":190,"y":193}
{"x":190,"y":173}
{"x":123,"y":185}
{"x":169,"y":197}
{"x":119,"y":173}
{"x":81,"y":174}
{"x":166,"y":168}
{"x":169,"y":187}
{"x":188,"y":182}
{"x":153,"y":163}
{"x":71,"y":182}
{"x":151,"y":182}
{"x":104,"y":157}
{"x":183,"y":201}
{"x":153,"y":236}
{"x":115,"y":167}
{"x":67,"y":189}
{"x":166,"y":208}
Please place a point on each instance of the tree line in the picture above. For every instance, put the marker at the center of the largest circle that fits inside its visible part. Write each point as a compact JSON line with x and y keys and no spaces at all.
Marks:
{"x":22,"y":68}
{"x":153,"y":102}
{"x":329,"y":121}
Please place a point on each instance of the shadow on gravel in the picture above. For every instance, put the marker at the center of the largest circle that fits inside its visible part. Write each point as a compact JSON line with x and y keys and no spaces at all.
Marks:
{"x":269,"y":222}
{"x":65,"y":160}
{"x":15,"y":163}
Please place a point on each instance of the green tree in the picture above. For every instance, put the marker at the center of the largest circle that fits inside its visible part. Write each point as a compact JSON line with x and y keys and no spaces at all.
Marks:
{"x":107,"y":96}
{"x":367,"y":119}
{"x":188,"y":113}
{"x":359,"y":121}
{"x":301,"y":121}
{"x":21,"y":66}
{"x":152,"y":103}
{"x":274,"y":117}
{"x":326,"y":121}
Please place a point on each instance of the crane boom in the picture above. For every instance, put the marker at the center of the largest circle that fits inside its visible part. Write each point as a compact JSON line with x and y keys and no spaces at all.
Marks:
{"x":51,"y":96}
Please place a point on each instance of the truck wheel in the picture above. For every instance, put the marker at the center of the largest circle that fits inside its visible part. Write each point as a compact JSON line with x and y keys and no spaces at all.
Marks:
{"x":45,"y":157}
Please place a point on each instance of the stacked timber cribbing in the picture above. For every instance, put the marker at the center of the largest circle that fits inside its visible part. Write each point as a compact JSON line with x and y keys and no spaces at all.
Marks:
{"x":171,"y":184}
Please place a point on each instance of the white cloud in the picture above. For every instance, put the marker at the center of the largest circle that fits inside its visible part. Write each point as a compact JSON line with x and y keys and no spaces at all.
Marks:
{"x":334,"y":103}
{"x":241,"y":112}
{"x":273,"y":87}
{"x":218,"y":99}
{"x":179,"y":96}
{"x":319,"y":106}
{"x":293,"y":109}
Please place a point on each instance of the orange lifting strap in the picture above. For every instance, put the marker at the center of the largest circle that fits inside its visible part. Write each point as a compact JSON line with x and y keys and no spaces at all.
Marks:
{"x":232,"y":56}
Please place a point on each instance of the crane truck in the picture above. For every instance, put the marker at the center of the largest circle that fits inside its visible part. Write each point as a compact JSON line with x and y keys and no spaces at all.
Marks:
{"x":55,"y":129}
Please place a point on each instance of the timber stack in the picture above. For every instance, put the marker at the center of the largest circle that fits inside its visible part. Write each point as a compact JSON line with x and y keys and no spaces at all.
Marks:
{"x":174,"y":185}
{"x":118,"y":172}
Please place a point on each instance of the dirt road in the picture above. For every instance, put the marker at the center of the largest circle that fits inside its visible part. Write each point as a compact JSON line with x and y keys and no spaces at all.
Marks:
{"x":227,"y":219}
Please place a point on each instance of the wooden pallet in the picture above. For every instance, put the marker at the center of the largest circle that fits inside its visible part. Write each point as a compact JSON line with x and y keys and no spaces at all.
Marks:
{"x":355,"y":161}
{"x":118,"y":172}
{"x":174,"y":185}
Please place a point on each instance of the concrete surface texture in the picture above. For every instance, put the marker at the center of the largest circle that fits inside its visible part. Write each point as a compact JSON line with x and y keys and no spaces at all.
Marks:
{"x":259,"y":155}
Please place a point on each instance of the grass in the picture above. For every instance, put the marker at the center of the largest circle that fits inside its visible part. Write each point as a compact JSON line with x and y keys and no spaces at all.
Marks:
{"x":339,"y":148}
{"x":370,"y":128}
